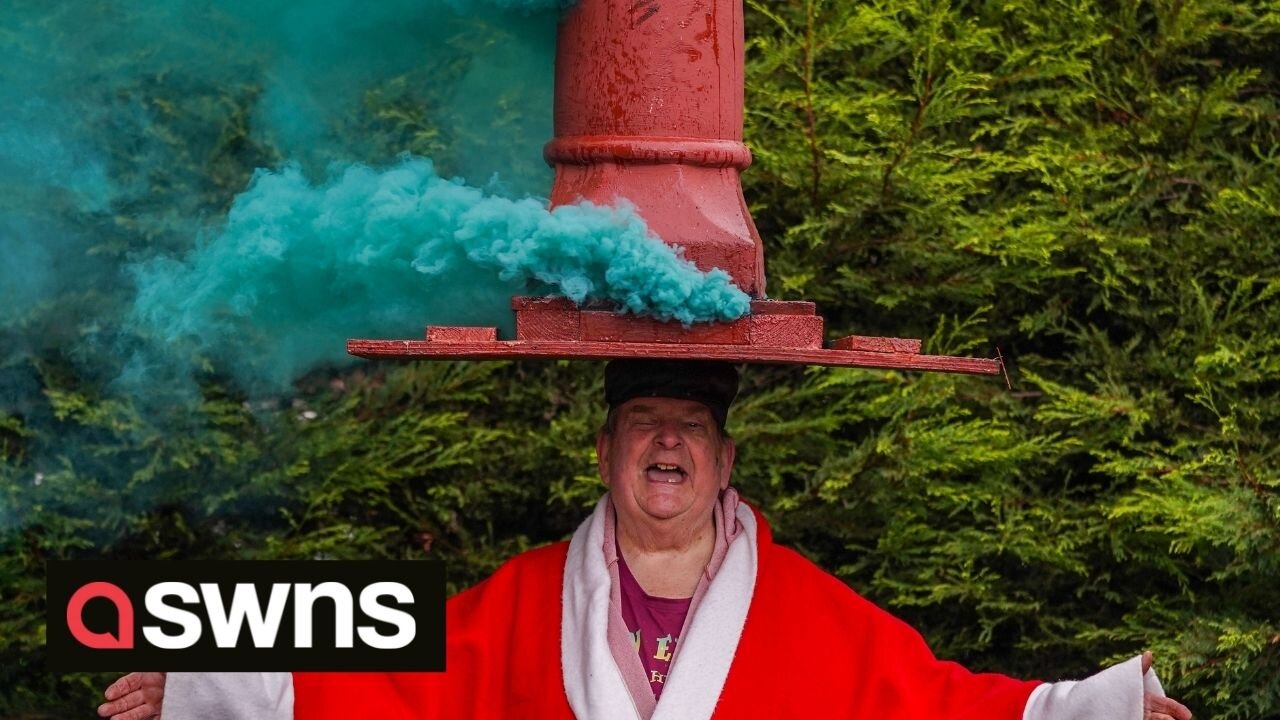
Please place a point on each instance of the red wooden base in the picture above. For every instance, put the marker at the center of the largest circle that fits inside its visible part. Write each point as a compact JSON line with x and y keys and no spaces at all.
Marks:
{"x":787,"y":333}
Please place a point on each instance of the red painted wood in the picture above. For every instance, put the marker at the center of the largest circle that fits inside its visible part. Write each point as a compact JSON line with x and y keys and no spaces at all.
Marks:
{"x":548,"y":325}
{"x":788,"y":331}
{"x":877,"y":344}
{"x":515,"y":350}
{"x":455,"y":334}
{"x":783,"y":307}
{"x":777,"y":324}
{"x":648,"y":107}
{"x":613,"y":327}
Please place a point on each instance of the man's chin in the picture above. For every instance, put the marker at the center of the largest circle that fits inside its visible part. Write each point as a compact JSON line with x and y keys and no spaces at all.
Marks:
{"x":665,"y":509}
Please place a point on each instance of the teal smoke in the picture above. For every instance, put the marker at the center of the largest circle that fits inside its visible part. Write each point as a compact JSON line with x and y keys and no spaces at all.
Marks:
{"x":298,"y":266}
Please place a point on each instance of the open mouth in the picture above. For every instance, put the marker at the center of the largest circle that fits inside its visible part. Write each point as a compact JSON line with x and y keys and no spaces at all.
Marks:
{"x":665,"y":473}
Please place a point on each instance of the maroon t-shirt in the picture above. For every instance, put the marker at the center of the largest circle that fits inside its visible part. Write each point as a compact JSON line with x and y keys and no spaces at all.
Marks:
{"x":654,"y":623}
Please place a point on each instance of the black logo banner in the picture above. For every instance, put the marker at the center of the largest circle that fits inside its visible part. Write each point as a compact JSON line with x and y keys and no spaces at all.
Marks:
{"x":257,"y":616}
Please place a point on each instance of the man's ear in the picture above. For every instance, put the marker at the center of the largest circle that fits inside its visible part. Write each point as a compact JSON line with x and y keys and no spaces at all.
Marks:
{"x":728,"y":451}
{"x":602,"y":456}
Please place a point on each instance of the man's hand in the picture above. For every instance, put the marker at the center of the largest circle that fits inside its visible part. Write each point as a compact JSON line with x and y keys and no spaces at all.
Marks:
{"x":136,"y":696}
{"x":1155,"y":707}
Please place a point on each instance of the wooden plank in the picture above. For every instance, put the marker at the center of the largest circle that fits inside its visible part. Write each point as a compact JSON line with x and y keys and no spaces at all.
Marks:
{"x":783,"y":307}
{"x":869,"y":343}
{"x":458,"y":334}
{"x":793,"y":331}
{"x":548,"y":325}
{"x":514,"y":350}
{"x":613,"y":327}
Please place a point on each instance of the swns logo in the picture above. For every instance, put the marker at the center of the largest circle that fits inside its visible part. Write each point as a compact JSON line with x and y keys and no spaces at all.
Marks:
{"x":246,"y":616}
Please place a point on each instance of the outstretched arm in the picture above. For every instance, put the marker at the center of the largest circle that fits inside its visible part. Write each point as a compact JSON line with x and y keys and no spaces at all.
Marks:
{"x":1116,"y":692}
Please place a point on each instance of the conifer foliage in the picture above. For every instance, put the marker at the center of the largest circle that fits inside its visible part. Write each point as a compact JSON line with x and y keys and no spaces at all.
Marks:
{"x":1093,"y":187}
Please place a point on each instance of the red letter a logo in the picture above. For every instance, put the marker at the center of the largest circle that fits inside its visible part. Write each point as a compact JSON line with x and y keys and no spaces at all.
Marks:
{"x":123,"y":640}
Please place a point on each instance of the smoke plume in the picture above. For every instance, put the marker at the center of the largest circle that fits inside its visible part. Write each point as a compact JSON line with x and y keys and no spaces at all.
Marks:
{"x":298,"y":266}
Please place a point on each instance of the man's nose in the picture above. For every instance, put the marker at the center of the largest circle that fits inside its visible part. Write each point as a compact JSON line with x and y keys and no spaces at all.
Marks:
{"x":668,"y":436}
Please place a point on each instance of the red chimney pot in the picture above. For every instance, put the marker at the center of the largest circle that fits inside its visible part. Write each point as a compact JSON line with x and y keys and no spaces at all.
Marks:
{"x":648,"y":107}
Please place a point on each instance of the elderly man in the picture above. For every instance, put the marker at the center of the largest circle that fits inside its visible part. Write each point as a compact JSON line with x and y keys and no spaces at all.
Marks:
{"x":672,"y":601}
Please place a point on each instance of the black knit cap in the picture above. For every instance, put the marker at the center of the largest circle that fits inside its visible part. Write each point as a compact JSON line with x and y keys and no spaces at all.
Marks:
{"x":713,"y":384}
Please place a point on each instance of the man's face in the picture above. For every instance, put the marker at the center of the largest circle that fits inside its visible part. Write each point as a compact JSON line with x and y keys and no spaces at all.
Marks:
{"x":665,"y":462}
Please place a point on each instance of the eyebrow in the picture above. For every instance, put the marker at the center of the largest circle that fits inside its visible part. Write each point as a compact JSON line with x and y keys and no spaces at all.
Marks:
{"x":643,"y":408}
{"x":701,"y":412}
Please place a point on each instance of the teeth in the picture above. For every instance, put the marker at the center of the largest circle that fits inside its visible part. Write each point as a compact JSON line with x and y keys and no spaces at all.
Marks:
{"x":664,"y":466}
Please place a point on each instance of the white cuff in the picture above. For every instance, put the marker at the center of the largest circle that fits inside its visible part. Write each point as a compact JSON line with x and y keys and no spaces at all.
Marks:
{"x":1113,"y":694}
{"x":228,"y":696}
